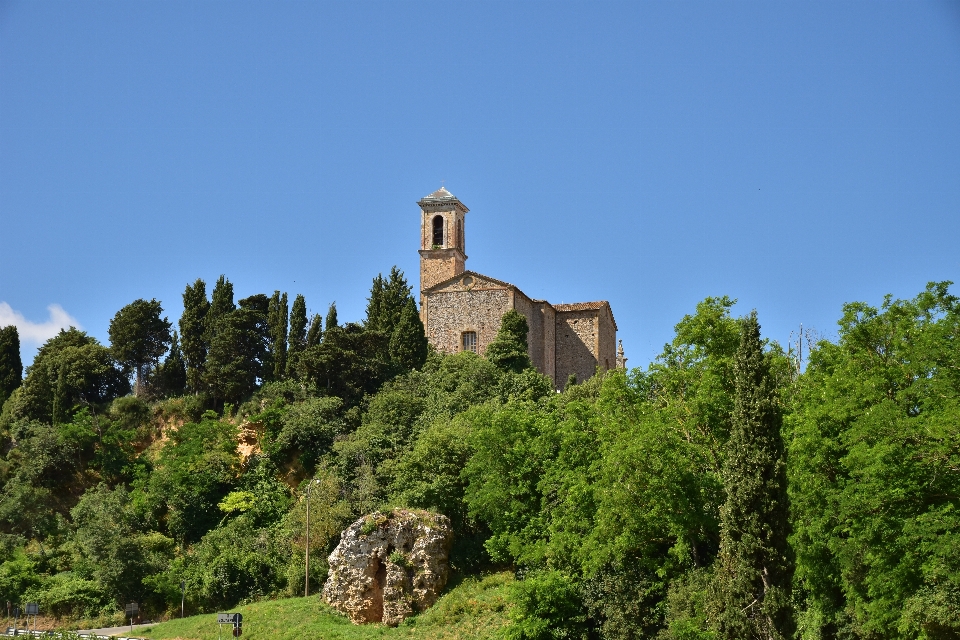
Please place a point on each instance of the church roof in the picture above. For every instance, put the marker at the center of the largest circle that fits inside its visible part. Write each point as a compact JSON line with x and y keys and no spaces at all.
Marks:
{"x":439,"y":194}
{"x":442,"y":197}
{"x":587,"y":306}
{"x":443,"y":283}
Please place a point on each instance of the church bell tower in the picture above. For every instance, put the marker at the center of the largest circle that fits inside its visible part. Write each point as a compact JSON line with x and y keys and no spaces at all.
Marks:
{"x":442,"y":256}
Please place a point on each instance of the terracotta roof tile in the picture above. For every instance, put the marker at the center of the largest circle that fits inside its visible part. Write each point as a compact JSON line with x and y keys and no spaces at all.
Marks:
{"x":581,"y":306}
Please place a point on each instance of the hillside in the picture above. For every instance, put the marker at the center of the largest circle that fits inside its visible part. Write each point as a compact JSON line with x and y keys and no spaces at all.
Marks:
{"x":664,"y":502}
{"x":475,"y":608}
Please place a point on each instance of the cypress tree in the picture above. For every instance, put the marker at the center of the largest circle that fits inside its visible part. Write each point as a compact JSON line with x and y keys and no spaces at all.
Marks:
{"x":751,"y":596}
{"x":508,"y":351}
{"x":408,"y":344}
{"x":387,"y":301}
{"x":277,"y":314}
{"x":375,"y":303}
{"x":11,"y":367}
{"x":220,"y":305}
{"x":297,"y":340}
{"x":331,"y":322}
{"x":315,"y":334}
{"x":192,"y":330}
{"x":173,"y":372}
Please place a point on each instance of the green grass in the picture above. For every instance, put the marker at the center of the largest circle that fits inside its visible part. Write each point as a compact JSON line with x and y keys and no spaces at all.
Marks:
{"x":474,"y":608}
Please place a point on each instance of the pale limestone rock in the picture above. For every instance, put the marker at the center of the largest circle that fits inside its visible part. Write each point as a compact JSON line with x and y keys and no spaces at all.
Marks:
{"x":389,"y":566}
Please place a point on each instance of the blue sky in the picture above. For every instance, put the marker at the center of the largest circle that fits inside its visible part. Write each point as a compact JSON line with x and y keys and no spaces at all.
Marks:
{"x":794,"y":156}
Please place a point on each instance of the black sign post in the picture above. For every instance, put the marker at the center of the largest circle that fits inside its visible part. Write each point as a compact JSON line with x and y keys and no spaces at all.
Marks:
{"x":132,"y":609}
{"x":233,"y":619}
{"x":32,"y":609}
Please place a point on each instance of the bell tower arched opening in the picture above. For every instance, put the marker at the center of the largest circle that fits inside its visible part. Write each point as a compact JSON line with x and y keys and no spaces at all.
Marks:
{"x":437,"y":231}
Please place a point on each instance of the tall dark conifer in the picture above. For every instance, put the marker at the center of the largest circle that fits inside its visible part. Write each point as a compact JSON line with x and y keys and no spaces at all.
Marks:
{"x":221,"y":304}
{"x":388,"y":298}
{"x":297,"y":340}
{"x":192,"y":331}
{"x":11,"y":367}
{"x":508,"y":351}
{"x":331,"y":320}
{"x":171,"y":376}
{"x":408,"y":344}
{"x":751,"y":597}
{"x":277,"y":314}
{"x":315,"y":334}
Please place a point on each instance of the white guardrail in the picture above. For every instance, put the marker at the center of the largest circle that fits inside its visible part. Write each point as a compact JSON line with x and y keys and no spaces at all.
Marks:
{"x":22,"y":633}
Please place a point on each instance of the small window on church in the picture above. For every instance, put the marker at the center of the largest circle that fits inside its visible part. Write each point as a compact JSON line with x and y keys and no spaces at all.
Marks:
{"x":470,"y":341}
{"x":460,"y":234}
{"x":438,"y":231}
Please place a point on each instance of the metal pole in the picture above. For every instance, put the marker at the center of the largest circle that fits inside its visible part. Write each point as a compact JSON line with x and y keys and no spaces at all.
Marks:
{"x":306,"y":570}
{"x":183,"y":595}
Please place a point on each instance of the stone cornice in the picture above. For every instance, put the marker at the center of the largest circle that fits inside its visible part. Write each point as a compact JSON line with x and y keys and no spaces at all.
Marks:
{"x":445,"y":204}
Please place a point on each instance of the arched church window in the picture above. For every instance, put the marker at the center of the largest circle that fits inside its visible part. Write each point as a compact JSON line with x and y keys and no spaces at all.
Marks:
{"x":438,"y":231}
{"x":460,"y":234}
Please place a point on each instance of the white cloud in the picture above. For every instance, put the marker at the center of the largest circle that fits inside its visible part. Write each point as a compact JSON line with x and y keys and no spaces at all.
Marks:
{"x":37,"y":332}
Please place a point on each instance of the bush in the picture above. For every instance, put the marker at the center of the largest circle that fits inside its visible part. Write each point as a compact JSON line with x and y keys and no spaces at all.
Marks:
{"x":547,"y":606}
{"x":68,"y":595}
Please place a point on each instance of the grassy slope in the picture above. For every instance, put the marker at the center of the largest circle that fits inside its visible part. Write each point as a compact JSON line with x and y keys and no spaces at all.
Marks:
{"x":475,"y":608}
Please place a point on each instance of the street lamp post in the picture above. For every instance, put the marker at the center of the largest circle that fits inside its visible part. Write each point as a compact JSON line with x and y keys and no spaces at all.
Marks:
{"x":306,"y":564}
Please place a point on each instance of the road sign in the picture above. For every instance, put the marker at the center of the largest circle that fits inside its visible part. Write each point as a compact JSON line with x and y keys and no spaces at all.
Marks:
{"x":33,"y":609}
{"x":229,"y":618}
{"x":132,"y":609}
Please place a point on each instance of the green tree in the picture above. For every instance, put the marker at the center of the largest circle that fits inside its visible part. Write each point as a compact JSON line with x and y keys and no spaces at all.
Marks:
{"x":193,"y":330}
{"x":755,"y":565}
{"x":110,"y":548}
{"x":873,"y":472}
{"x":331,"y":319}
{"x":277,"y":315}
{"x":387,"y":301}
{"x":170,"y":378}
{"x":315,"y":334}
{"x":350,"y":362}
{"x":298,"y":334}
{"x":11,"y":367}
{"x":408,"y":343}
{"x":220,"y":305}
{"x":139,"y":336}
{"x":194,"y":471}
{"x":508,"y":351}
{"x":238,"y":352}
{"x":70,"y":369}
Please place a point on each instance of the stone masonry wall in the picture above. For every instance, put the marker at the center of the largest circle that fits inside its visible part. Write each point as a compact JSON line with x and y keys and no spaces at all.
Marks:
{"x":438,"y":266}
{"x":450,"y":313}
{"x":607,"y":341}
{"x":576,"y":340}
{"x":534,"y":317}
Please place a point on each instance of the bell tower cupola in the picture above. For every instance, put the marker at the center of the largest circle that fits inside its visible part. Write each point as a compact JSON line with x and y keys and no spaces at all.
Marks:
{"x":442,"y":249}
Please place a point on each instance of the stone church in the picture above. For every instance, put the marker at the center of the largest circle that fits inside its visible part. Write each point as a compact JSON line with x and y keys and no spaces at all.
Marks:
{"x":461,"y":309}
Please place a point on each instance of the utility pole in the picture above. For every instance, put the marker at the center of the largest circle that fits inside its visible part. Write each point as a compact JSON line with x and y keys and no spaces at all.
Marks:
{"x":306,"y":549}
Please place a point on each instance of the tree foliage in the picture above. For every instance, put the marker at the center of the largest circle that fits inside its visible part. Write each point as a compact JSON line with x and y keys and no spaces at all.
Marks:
{"x":509,"y":351}
{"x":11,"y":367}
{"x":193,"y":331}
{"x":139,"y":336}
{"x":755,"y":567}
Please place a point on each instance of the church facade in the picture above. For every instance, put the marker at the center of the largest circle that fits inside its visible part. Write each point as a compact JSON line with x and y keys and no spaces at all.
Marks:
{"x":461,"y":309}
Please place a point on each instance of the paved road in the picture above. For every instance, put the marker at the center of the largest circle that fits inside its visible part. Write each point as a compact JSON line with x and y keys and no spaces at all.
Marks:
{"x":116,"y":631}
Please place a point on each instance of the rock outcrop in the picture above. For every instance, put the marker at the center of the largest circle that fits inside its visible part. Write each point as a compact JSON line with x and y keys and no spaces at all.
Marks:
{"x":389,"y":566}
